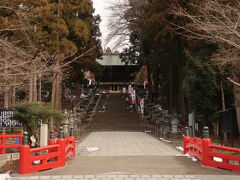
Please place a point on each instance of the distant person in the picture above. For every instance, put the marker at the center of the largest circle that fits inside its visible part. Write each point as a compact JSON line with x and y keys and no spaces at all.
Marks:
{"x":104,"y":107}
{"x":127,"y":101}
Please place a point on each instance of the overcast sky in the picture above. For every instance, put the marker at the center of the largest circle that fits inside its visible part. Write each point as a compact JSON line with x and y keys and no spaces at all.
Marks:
{"x":101,"y":9}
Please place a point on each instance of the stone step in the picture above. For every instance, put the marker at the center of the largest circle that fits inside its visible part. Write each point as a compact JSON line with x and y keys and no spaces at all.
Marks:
{"x":128,"y":177}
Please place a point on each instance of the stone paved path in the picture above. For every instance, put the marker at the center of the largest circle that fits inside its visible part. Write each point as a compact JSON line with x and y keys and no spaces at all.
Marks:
{"x":124,"y":144}
{"x":129,"y":177}
{"x":126,"y":153}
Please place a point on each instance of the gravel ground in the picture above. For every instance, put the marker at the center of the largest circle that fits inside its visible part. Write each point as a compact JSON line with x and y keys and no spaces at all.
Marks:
{"x":11,"y":166}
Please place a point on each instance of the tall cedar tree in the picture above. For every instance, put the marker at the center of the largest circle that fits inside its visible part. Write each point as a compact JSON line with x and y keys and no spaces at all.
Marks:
{"x":156,"y":42}
{"x":66,"y":29}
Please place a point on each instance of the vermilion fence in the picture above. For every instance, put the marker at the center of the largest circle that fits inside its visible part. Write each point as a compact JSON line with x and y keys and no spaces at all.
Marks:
{"x":48,"y":157}
{"x":70,"y":148}
{"x":3,"y":142}
{"x":212,"y":155}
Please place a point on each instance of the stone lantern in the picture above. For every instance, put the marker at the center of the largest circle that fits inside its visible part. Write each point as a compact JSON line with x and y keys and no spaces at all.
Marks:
{"x":66,"y":123}
{"x":71,"y":122}
{"x":174,"y":124}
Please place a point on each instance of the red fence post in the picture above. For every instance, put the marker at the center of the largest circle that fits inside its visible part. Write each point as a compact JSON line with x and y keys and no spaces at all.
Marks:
{"x":205,"y":151}
{"x":51,"y":141}
{"x":24,"y":162}
{"x":185,"y":140}
{"x":74,"y":145}
{"x":21,"y":138}
{"x":62,"y":155}
{"x":3,"y":143}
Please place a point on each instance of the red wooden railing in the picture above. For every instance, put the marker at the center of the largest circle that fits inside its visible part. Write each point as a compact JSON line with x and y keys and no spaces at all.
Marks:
{"x":3,"y":142}
{"x":48,"y":157}
{"x":212,"y":155}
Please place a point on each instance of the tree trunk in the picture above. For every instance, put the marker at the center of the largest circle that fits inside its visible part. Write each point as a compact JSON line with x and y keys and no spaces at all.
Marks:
{"x":56,"y":88}
{"x":6,"y":97}
{"x":181,"y":96}
{"x":170,"y":90}
{"x":223,"y":108}
{"x":237,"y":104}
{"x":56,"y":91}
{"x":78,"y":91}
{"x":13,"y":96}
{"x":40,"y":88}
{"x":30,"y":98}
{"x":34,"y":88}
{"x":223,"y":97}
{"x":149,"y":77}
{"x":156,"y":82}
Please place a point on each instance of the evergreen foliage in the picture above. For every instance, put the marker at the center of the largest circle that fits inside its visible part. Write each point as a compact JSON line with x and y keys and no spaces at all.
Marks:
{"x":55,"y":30}
{"x":201,"y":83}
{"x":30,"y":114}
{"x":182,"y":66}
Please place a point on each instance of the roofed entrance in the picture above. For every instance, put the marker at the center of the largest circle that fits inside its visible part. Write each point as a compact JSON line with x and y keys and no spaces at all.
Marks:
{"x":115,"y":73}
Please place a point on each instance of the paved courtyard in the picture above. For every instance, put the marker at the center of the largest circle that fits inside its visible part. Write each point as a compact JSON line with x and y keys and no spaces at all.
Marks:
{"x":125,"y":152}
{"x":129,"y":177}
{"x":129,"y":153}
{"x":124,"y":144}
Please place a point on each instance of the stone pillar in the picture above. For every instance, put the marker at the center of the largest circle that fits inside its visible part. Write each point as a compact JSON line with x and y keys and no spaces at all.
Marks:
{"x":71,"y":131}
{"x":61,"y":133}
{"x":205,"y":132}
{"x":191,"y":125}
{"x":66,"y":124}
{"x":25,"y":138}
{"x":71,"y":118}
{"x":51,"y":134}
{"x":174,"y":124}
{"x":65,"y":129}
{"x":186,"y":131}
{"x":44,"y":135}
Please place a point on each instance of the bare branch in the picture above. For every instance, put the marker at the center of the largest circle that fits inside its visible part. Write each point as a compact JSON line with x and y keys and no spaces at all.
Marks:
{"x":232,"y":81}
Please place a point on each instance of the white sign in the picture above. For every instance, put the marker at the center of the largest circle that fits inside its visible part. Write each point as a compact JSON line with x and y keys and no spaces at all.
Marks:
{"x":190,"y":119}
{"x":133,"y":96}
{"x":6,"y":121}
{"x":142,"y":105}
{"x":145,"y":84}
{"x":129,"y":88}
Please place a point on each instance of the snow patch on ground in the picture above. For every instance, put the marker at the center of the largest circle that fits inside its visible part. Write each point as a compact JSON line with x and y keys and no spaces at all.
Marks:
{"x":188,"y":156}
{"x":91,"y":149}
{"x":183,"y":155}
{"x":161,"y":139}
{"x":4,"y":176}
{"x":194,"y":159}
{"x":180,"y":148}
{"x":148,"y":131}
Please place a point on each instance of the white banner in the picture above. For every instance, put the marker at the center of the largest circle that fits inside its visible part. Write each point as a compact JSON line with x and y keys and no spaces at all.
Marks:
{"x":133,"y":94}
{"x":142,"y":105}
{"x":129,"y":88}
{"x":124,"y":90}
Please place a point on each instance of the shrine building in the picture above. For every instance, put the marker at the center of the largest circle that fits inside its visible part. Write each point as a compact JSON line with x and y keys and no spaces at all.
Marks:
{"x":116,"y":75}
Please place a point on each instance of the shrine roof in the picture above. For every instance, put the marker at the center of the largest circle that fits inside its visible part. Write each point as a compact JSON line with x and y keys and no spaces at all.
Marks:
{"x":111,"y":59}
